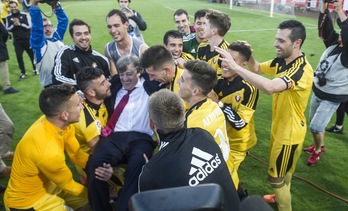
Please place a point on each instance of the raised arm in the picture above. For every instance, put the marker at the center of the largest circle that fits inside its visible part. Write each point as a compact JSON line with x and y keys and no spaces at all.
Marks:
{"x":262,"y":83}
{"x":139,"y":20}
{"x":63,"y":21}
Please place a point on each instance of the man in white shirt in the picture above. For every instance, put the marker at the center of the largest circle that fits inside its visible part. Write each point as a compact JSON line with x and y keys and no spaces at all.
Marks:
{"x":129,"y":137}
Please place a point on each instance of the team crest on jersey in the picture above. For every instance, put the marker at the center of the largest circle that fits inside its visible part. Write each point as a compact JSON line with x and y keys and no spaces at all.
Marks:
{"x":94,"y":65}
{"x":237,"y":98}
{"x":215,"y":60}
{"x":98,"y":124}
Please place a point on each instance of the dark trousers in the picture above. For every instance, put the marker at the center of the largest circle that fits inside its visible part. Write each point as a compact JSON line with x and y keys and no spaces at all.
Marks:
{"x":340,"y":113}
{"x":21,"y":46}
{"x":118,"y":147}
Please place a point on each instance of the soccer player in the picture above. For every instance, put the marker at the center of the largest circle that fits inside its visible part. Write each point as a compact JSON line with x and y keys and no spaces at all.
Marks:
{"x":290,"y":88}
{"x":195,"y":83}
{"x":192,"y":41}
{"x":182,"y":22}
{"x":40,"y":178}
{"x":173,"y":42}
{"x":95,"y":87}
{"x":216,"y":26}
{"x":237,"y":99}
{"x":122,"y":44}
{"x":159,"y":64}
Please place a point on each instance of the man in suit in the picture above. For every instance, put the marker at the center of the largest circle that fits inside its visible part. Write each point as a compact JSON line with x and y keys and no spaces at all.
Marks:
{"x":126,"y":137}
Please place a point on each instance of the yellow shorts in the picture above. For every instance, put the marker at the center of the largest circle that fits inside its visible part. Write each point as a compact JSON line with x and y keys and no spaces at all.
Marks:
{"x":57,"y":200}
{"x":238,"y":158}
{"x":283,"y":159}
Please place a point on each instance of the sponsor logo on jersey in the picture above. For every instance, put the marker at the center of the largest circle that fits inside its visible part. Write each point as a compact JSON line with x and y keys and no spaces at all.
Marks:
{"x":203,"y":164}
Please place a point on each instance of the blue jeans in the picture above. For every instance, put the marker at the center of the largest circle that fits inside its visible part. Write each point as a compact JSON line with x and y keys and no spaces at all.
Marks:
{"x":320,"y":113}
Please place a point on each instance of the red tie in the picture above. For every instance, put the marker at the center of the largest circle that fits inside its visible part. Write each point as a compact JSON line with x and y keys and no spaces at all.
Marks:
{"x":109,"y":128}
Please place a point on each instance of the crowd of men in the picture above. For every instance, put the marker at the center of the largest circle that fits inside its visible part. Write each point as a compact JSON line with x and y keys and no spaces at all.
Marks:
{"x":139,"y":117}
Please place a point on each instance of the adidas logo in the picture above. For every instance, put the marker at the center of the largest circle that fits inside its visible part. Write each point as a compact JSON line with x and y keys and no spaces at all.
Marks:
{"x":76,"y":60}
{"x":203,"y":164}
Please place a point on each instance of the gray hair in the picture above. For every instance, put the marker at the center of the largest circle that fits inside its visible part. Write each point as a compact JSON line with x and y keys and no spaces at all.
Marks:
{"x":123,"y":62}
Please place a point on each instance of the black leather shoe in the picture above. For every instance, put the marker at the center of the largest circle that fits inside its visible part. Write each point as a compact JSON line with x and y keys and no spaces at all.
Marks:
{"x":10,"y":90}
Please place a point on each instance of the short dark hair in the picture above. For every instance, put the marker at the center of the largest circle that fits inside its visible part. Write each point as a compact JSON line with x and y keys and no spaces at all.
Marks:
{"x":203,"y":75}
{"x":220,"y":20}
{"x":53,"y":98}
{"x":298,"y":31}
{"x":243,"y":48}
{"x":128,"y":1}
{"x":124,"y":61}
{"x":156,"y":56}
{"x":119,"y":13}
{"x":171,"y":33}
{"x":200,"y":14}
{"x":85,"y":76}
{"x":77,"y":22}
{"x":180,"y":12}
{"x":13,"y":2}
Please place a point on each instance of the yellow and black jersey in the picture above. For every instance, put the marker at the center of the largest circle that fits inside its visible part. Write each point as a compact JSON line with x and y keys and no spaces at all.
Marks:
{"x":92,"y":119}
{"x":212,"y":57}
{"x":207,"y":115}
{"x":187,"y":56}
{"x":288,"y":107}
{"x":239,"y":99}
{"x":174,"y":86}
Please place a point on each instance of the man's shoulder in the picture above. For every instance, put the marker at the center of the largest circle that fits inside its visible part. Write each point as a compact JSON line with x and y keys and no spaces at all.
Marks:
{"x":97,"y":54}
{"x":66,"y":51}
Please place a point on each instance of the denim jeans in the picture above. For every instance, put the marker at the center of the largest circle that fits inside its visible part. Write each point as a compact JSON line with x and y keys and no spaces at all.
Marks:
{"x":320,"y":113}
